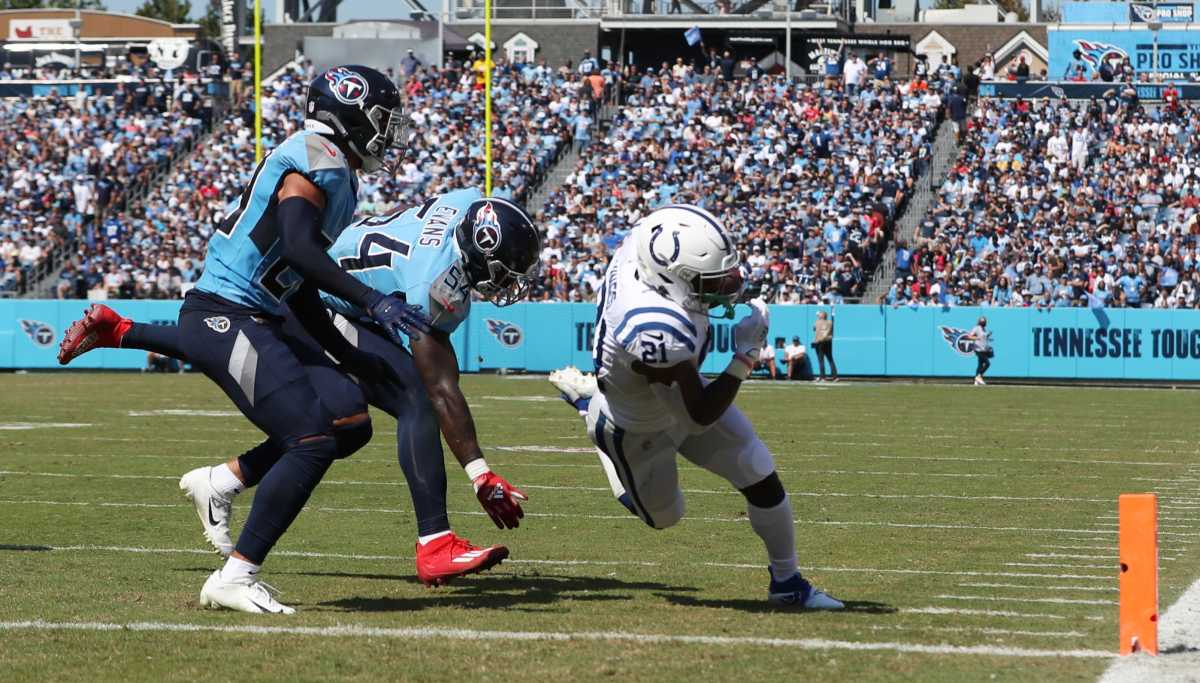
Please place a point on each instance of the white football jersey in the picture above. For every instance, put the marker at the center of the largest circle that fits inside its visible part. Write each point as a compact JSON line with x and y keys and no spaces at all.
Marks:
{"x":636,"y":323}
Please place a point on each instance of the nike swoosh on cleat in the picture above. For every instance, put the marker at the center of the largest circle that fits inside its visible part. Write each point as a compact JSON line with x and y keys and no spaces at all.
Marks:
{"x":211,"y":520}
{"x":265,"y":609}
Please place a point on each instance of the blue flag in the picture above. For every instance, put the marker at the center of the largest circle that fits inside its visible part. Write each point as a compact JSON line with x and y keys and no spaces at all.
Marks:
{"x":692,"y":35}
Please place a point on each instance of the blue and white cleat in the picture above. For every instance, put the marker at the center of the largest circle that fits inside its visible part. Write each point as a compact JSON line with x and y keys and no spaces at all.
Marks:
{"x":576,"y":387}
{"x":797,"y":592}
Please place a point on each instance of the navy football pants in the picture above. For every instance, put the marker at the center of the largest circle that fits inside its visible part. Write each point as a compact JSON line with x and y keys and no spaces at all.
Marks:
{"x":261,"y":370}
{"x":419,"y":444}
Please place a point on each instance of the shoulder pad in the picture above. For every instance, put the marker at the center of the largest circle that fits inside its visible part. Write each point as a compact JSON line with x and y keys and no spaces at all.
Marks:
{"x":322,"y":154}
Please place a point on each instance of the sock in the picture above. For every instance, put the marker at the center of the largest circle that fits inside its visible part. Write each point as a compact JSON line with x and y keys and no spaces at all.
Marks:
{"x":424,"y":540}
{"x":161,"y":339}
{"x":235,"y":569}
{"x":777,"y":530}
{"x":582,"y":406}
{"x":225,"y":482}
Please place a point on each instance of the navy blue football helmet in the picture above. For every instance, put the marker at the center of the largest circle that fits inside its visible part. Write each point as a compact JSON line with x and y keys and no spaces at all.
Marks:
{"x":359,"y":106}
{"x":501,"y":250}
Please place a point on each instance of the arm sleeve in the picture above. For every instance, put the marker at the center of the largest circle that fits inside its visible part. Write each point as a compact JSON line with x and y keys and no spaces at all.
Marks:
{"x":314,"y":317}
{"x":299,"y":227}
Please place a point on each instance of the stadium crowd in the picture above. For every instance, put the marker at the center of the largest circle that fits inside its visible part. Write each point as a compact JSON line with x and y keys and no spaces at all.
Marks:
{"x":809,"y":179}
{"x":1053,"y":203}
{"x":65,"y":161}
{"x":157,"y":250}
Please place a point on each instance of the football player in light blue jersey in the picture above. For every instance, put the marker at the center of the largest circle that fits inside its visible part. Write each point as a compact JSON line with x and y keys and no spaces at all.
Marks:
{"x":433,"y":256}
{"x":266,"y":261}
{"x":422,"y":239}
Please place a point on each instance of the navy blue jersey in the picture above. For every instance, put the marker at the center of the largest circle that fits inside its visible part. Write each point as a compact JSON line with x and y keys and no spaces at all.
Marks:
{"x":414,"y":253}
{"x":243,"y":263}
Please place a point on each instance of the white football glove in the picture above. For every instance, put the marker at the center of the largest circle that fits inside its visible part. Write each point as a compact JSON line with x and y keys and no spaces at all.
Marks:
{"x":751,"y":331}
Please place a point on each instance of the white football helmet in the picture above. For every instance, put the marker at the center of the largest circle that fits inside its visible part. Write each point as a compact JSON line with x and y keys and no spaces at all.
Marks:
{"x":686,"y":254}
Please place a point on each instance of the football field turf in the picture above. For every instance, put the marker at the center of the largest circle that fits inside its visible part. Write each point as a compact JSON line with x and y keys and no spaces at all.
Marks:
{"x":972,"y":532}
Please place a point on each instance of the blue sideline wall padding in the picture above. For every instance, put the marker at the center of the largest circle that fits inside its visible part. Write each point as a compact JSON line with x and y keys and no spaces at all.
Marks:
{"x":1064,"y":343}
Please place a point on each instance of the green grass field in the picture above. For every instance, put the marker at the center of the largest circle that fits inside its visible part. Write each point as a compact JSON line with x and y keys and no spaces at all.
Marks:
{"x":973,"y":532}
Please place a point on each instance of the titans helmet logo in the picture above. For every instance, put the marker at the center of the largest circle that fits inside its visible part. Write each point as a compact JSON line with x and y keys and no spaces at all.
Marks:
{"x":349,"y":87}
{"x":487,"y":229}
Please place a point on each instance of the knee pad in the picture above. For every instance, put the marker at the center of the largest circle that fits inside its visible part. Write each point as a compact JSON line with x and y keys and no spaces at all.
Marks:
{"x":765,"y":494}
{"x":668,"y":516}
{"x":350,"y":438}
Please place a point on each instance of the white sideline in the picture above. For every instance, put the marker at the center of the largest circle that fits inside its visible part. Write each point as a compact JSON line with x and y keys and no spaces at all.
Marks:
{"x":1179,"y":629}
{"x":607,"y":563}
{"x":995,"y":613}
{"x":358,"y":631}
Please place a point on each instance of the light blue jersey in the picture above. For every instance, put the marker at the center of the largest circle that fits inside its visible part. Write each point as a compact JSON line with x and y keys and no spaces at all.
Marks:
{"x":243,"y":263}
{"x":412,"y":252}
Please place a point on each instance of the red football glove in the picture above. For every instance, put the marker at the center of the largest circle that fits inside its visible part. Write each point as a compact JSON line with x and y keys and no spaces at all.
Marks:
{"x":500,"y":499}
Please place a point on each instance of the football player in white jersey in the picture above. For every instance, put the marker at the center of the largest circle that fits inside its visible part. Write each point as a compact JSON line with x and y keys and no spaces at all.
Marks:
{"x":652,"y":325}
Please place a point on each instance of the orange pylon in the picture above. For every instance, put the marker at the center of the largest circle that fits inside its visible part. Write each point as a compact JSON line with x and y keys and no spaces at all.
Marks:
{"x":1138,"y":514}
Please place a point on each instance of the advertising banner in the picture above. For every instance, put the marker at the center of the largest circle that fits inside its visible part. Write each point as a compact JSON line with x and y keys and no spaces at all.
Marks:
{"x":1173,"y":51}
{"x":1031,"y":90}
{"x":1128,"y":12}
{"x":1064,"y":343}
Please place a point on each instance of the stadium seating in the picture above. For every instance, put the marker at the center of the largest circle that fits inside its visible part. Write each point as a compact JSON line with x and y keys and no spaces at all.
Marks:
{"x":67,"y":162}
{"x":161,"y":252}
{"x":1064,"y":204}
{"x":808,"y":179}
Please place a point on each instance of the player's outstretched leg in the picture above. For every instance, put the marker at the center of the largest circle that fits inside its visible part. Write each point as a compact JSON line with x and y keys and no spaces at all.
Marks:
{"x":577,"y":389}
{"x":103,"y":328}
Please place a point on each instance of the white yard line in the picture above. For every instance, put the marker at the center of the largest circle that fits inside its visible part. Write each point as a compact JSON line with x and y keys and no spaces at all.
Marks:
{"x":25,"y":426}
{"x":625,"y":517}
{"x":997,"y":613}
{"x":1025,"y":599}
{"x":730,"y":491}
{"x":414,"y":633}
{"x":576,"y":562}
{"x":1072,"y":461}
{"x":1103,"y":589}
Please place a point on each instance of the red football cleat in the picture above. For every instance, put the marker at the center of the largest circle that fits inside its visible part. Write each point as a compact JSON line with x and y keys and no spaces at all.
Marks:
{"x":100,"y":327}
{"x":445,"y":558}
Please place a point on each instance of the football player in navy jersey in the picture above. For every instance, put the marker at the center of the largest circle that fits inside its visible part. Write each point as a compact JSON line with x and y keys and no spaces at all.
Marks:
{"x":268,"y":258}
{"x":433,"y":255}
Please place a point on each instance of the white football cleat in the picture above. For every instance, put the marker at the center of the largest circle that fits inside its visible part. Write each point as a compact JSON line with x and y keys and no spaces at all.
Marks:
{"x":798,"y":592}
{"x":573,"y":384}
{"x":244,"y":594}
{"x":213,"y":509}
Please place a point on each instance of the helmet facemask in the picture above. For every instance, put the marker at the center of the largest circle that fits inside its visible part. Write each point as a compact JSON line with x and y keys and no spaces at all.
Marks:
{"x":504,"y":285}
{"x":389,"y":126}
{"x":718,"y":291}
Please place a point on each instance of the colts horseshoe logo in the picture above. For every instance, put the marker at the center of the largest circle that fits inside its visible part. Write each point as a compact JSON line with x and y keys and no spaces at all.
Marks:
{"x":654,"y":234}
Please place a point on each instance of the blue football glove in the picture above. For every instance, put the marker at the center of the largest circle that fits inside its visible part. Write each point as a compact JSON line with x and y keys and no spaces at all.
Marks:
{"x":397,"y":317}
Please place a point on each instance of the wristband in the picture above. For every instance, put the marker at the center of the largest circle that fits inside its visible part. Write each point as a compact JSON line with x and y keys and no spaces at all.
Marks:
{"x":477,"y":468}
{"x":739,"y":367}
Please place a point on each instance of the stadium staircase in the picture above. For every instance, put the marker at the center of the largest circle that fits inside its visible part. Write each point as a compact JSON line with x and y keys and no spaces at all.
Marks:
{"x":566,"y":162}
{"x":44,"y":282}
{"x":942,"y":154}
